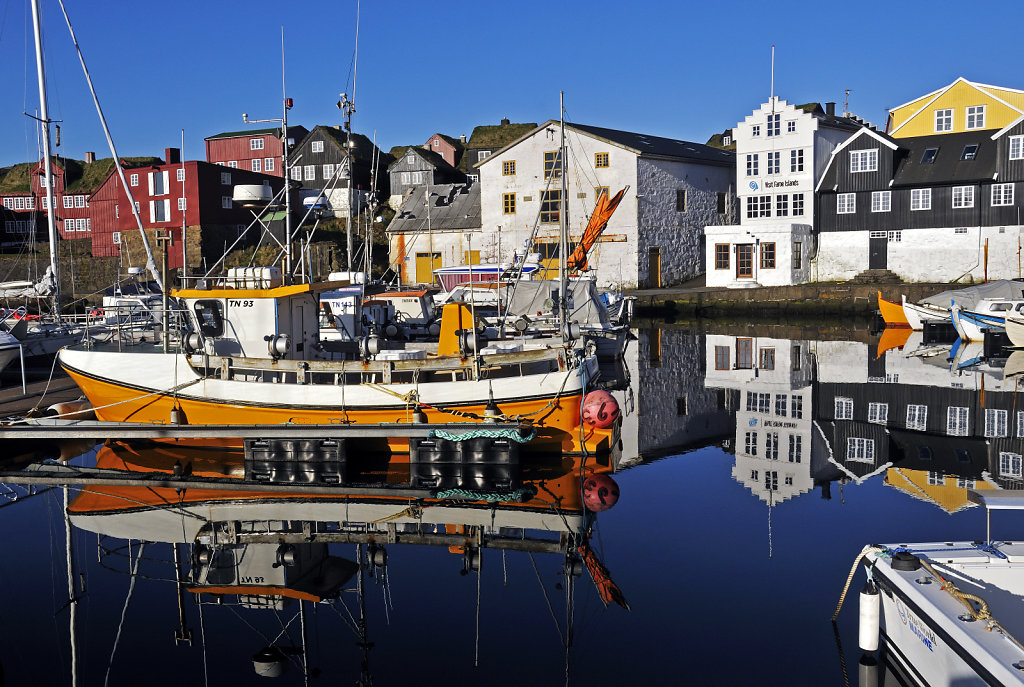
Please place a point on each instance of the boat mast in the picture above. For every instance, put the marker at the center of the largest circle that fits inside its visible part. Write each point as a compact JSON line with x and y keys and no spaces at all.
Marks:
{"x":44,"y":119}
{"x":563,"y":226}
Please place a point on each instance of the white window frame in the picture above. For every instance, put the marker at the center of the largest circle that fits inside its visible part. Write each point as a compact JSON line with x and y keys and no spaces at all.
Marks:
{"x":233,"y":164}
{"x":309,"y":172}
{"x":963,"y":197}
{"x":181,"y":203}
{"x":180,"y":174}
{"x":843,"y":408}
{"x":791,"y":126}
{"x":750,"y":443}
{"x":268,"y":164}
{"x":328,"y":172}
{"x":134,"y":179}
{"x":755,"y":130}
{"x":917,"y":417}
{"x":881,"y":201}
{"x":798,"y":204}
{"x":878,"y":413}
{"x":958,"y":421}
{"x":774,"y":162}
{"x":1010,"y":465}
{"x":975,"y":117}
{"x":752,"y":165}
{"x":795,"y":448}
{"x":860,"y":450}
{"x":771,"y":446}
{"x":257,"y":164}
{"x":996,"y":422}
{"x":1002,"y":194}
{"x":846,"y":203}
{"x":920,"y":199}
{"x":296,"y":173}
{"x":796,"y":160}
{"x":1016,"y":147}
{"x":774,"y":125}
{"x":316,"y":147}
{"x":943,"y":120}
{"x":255,"y":144}
{"x":864,"y":160}
{"x":796,"y":407}
{"x":69,"y":202}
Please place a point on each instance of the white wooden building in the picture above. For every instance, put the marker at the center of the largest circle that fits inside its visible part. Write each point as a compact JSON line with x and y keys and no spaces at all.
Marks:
{"x":655,"y":236}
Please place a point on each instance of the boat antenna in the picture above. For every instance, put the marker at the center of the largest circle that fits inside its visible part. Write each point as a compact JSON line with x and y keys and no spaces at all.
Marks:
{"x":563,"y":226}
{"x":47,"y":162}
{"x":150,"y":260}
{"x":184,"y":208}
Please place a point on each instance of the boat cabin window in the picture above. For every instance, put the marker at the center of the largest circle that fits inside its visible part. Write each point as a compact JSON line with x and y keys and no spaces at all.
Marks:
{"x":1001,"y":307}
{"x":210,"y":318}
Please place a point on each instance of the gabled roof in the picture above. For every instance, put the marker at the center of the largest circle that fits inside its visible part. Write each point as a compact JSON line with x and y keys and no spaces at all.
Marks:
{"x":999,"y":94}
{"x":642,"y":145}
{"x":718,"y":141}
{"x":429,"y":156}
{"x":947,"y":167}
{"x":362,"y":147}
{"x":79,"y":176}
{"x":828,"y":178}
{"x":452,"y":206}
{"x":295,"y":131}
{"x":498,"y":135}
{"x":456,"y":143}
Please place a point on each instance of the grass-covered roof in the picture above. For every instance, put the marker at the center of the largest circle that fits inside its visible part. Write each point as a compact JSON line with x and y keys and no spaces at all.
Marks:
{"x":498,"y":135}
{"x":79,"y":176}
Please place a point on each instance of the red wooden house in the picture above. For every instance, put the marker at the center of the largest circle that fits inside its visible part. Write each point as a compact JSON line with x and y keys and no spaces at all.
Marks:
{"x":256,"y":150}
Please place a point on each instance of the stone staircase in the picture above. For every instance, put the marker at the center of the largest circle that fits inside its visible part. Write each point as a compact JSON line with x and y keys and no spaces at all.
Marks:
{"x":876,"y":277}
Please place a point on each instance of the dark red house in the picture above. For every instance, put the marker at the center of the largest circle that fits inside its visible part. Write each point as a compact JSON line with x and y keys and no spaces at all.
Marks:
{"x":256,"y":150}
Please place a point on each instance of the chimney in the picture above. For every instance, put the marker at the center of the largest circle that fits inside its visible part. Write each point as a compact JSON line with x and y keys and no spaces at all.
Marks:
{"x":462,"y":138}
{"x":830,"y":109}
{"x":172,"y":156}
{"x":90,"y":158}
{"x":505,"y":122}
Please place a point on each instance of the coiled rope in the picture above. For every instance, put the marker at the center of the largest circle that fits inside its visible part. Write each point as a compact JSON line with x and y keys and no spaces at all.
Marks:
{"x":490,"y":433}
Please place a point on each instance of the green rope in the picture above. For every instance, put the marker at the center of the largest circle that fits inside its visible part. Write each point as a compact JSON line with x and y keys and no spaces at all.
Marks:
{"x":521,"y":494}
{"x":512,"y":434}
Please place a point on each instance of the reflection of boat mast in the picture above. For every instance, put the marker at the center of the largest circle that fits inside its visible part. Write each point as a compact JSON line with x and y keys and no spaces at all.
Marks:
{"x":183,"y":633}
{"x":72,"y":597}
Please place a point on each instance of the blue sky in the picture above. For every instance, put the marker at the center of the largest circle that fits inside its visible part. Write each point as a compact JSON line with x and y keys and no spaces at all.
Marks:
{"x":682,"y":70}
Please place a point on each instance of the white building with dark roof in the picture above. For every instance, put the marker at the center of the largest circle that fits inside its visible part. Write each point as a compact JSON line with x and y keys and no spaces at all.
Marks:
{"x":675,"y":188}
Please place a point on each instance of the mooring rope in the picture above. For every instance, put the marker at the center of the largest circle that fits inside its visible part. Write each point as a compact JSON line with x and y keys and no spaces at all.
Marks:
{"x":490,"y":433}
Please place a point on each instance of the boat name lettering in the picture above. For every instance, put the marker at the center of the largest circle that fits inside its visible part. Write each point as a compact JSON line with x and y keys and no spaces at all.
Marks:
{"x":925,"y":635}
{"x":248,"y":579}
{"x":780,"y":184}
{"x":779,"y":423}
{"x":235,"y":303}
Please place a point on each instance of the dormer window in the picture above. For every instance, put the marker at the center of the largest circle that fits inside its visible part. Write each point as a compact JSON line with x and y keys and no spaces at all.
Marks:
{"x":864,"y":160}
{"x":970,"y":152}
{"x":726,"y":140}
{"x":976,"y":117}
{"x":929,"y":156}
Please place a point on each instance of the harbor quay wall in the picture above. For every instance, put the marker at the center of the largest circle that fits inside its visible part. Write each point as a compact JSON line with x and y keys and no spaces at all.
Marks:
{"x":826,"y":299}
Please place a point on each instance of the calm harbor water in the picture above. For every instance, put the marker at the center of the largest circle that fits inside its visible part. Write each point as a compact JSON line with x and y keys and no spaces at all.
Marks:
{"x":752,"y":471}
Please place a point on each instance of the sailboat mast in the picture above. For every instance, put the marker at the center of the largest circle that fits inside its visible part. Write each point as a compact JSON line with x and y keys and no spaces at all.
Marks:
{"x":285,"y":172}
{"x":563,"y":223}
{"x":47,"y":163}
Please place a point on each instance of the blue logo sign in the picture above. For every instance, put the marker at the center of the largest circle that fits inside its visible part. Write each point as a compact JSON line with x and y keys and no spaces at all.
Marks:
{"x":753,"y":185}
{"x":753,"y":422}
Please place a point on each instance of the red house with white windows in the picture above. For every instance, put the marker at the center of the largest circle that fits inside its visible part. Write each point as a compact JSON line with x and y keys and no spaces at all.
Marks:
{"x":165,"y":194}
{"x":256,"y":150}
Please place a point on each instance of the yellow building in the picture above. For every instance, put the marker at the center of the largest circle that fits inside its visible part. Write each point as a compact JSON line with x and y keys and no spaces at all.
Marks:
{"x":961,"y":106}
{"x":948,"y":492}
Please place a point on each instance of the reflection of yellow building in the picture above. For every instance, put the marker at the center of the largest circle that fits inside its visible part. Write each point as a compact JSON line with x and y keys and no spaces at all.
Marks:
{"x":961,"y":106}
{"x":948,"y":492}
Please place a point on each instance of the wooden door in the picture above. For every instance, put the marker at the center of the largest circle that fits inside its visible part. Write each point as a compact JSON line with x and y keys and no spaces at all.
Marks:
{"x":654,"y":267}
{"x":745,"y":261}
{"x":426,"y":263}
{"x":878,"y":252}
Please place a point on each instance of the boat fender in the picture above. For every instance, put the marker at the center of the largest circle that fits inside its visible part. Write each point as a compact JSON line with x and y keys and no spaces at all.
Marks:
{"x":904,"y":561}
{"x":600,"y":492}
{"x":79,"y":409}
{"x":600,"y":409}
{"x":269,"y":662}
{"x":869,"y":605}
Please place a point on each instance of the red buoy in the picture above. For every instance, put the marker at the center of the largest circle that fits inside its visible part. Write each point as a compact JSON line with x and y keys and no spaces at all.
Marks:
{"x":600,"y":492}
{"x":600,"y":409}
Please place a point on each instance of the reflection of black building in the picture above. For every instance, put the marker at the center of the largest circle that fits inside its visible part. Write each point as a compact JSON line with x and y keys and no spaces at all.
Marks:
{"x":860,"y":447}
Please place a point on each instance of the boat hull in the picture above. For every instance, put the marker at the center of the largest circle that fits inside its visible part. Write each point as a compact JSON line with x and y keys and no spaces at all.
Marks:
{"x":916,"y":315}
{"x":1015,"y":331}
{"x":892,"y":313}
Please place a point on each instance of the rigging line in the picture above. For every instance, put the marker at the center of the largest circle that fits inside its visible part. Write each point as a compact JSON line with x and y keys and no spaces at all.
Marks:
{"x":124,"y":610}
{"x":547,"y":600}
{"x":202,"y":642}
{"x":350,"y":620}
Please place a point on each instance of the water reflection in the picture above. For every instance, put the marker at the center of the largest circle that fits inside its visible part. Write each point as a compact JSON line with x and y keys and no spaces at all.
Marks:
{"x":403,"y":565}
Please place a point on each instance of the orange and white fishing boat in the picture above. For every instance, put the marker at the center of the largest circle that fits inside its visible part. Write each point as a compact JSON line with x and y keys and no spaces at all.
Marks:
{"x":250,"y":354}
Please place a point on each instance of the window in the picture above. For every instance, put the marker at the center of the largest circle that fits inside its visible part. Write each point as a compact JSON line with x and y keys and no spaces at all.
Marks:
{"x":796,"y":160}
{"x":771,"y":446}
{"x":921,"y":199}
{"x":773,"y":162}
{"x":963,"y":196}
{"x":767,"y":256}
{"x":759,"y":206}
{"x":881,"y":201}
{"x":798,"y":204}
{"x":316,"y":147}
{"x":782,"y":205}
{"x":781,"y":402}
{"x":928,"y":156}
{"x":976,"y":117}
{"x":864,"y":160}
{"x":181,"y":203}
{"x":995,"y":422}
{"x":255,"y":144}
{"x":181,"y":174}
{"x":755,"y":130}
{"x":767,"y":358}
{"x":797,"y":255}
{"x":764,"y":403}
{"x":936,"y":479}
{"x":795,"y":448}
{"x":721,"y":202}
{"x":721,"y":357}
{"x":42,"y":181}
{"x":970,"y":152}
{"x":750,"y":443}
{"x":774,"y":125}
{"x":752,"y":165}
{"x":771,"y":480}
{"x":159,"y":210}
{"x":508,"y":202}
{"x":598,"y":190}
{"x":1010,"y":465}
{"x":553,"y":165}
{"x":1020,"y":423}
{"x":957,"y":421}
{"x":917,"y":417}
{"x":744,"y":355}
{"x":296,"y":173}
{"x":69,"y":202}
{"x":791,"y":126}
{"x":962,"y":483}
{"x":753,"y":474}
{"x":30,"y":203}
{"x":225,"y":178}
{"x":483,"y":155}
{"x":508,"y":167}
{"x":600,"y":159}
{"x":943,"y":120}
{"x":1017,"y":147}
{"x":846,"y":203}
{"x":1002,"y":194}
{"x":727,"y":140}
{"x":329,"y":172}
{"x":550,"y":206}
{"x":844,"y":408}
{"x":722,"y":256}
{"x":796,"y":407}
{"x":233,"y":164}
{"x":860,"y":450}
{"x":268,"y":164}
{"x":9,"y":203}
{"x":309,"y":172}
{"x":878,"y":413}
{"x":134,"y":179}
{"x":225,"y":202}
{"x":680,"y":200}
{"x":257,"y":164}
